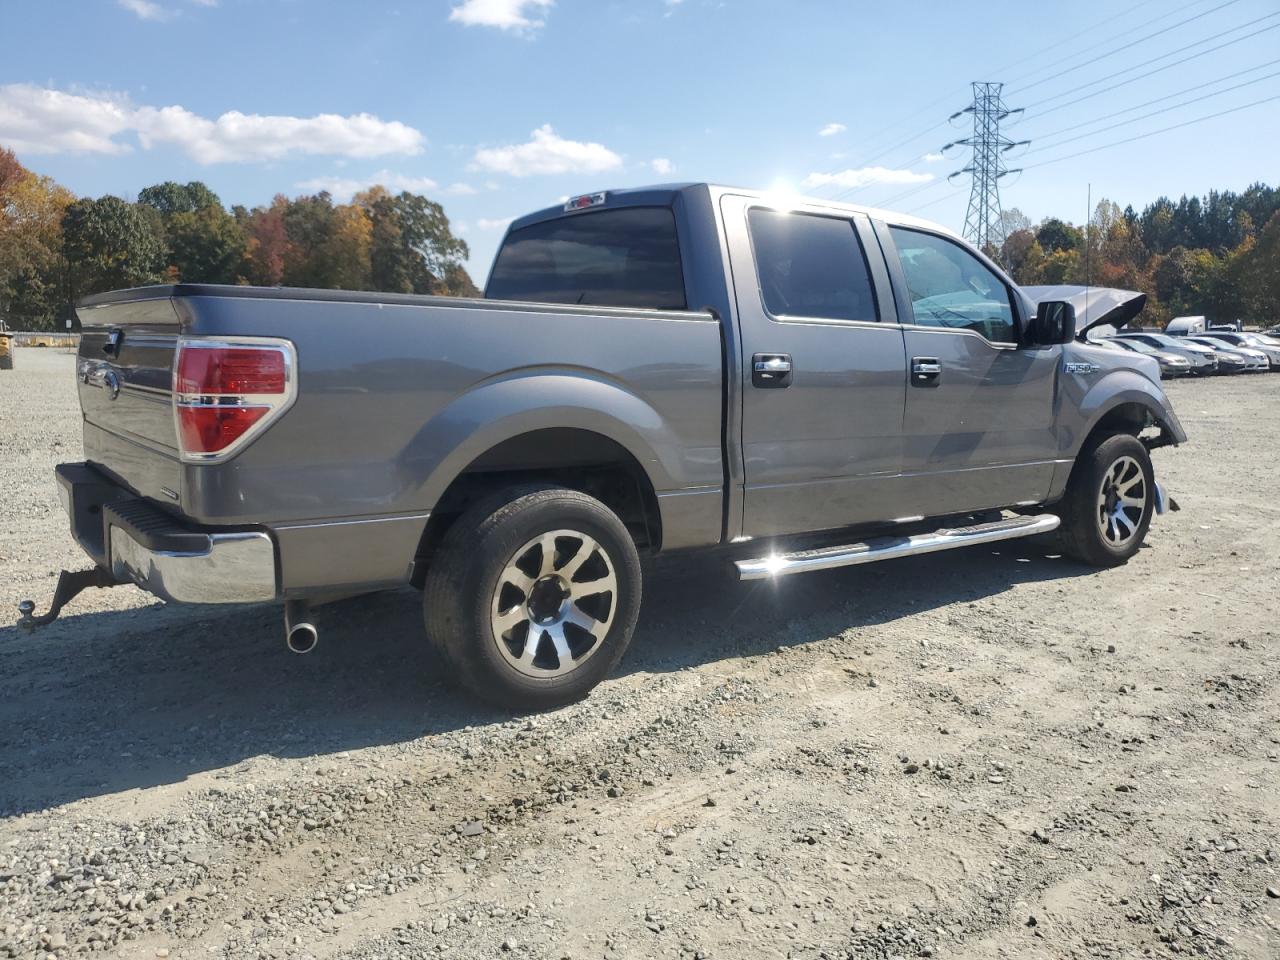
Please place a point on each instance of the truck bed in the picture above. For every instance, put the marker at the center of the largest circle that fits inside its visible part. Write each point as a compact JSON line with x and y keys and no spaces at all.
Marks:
{"x":397,"y":395}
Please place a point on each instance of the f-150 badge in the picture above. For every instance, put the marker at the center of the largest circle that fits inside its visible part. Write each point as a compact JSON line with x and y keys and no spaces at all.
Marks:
{"x":1079,"y":366}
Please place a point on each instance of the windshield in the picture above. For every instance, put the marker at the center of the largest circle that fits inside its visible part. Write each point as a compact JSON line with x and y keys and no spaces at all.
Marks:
{"x":1138,"y":346}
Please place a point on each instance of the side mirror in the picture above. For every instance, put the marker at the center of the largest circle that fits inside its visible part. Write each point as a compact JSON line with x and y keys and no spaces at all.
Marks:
{"x":1054,"y":322}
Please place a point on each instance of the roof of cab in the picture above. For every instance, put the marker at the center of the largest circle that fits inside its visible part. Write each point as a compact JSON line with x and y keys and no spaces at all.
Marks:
{"x":662,"y":194}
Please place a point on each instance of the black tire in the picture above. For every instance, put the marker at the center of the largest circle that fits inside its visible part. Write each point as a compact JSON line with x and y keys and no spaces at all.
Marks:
{"x":1082,"y":532}
{"x":461,"y":597}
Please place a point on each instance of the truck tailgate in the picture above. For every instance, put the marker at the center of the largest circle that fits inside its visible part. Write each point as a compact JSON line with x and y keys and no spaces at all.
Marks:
{"x":124,"y":374}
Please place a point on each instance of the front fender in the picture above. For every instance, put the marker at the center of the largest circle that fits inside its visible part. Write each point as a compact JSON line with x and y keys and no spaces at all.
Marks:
{"x":1115,"y":389}
{"x":522,"y":401}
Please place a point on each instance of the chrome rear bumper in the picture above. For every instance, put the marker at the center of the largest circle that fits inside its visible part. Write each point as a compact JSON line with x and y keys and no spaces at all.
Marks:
{"x":163,"y":555}
{"x":232,"y":568}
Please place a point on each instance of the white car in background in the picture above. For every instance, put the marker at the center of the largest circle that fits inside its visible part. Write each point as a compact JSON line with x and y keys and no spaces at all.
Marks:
{"x":1255,"y":361}
{"x":1257,"y":342}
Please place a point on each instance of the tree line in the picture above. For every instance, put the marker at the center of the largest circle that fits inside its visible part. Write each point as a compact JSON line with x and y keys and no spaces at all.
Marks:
{"x":56,"y":248}
{"x":1217,"y":256}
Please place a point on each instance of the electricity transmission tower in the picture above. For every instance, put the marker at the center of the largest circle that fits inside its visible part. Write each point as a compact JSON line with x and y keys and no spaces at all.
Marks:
{"x":983,"y":223}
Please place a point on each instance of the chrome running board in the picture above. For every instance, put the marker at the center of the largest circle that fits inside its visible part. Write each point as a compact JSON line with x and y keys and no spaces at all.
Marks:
{"x":889,"y":548}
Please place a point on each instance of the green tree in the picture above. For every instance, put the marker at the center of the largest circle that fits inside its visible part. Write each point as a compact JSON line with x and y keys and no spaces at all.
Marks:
{"x":1023,"y":256}
{"x":109,"y":244}
{"x":1054,"y":235}
{"x":206,"y":245}
{"x":170,"y":198}
{"x":1257,"y":275}
{"x":412,"y":247}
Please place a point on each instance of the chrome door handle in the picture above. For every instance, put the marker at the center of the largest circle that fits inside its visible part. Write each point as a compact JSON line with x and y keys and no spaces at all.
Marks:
{"x":775,"y":365}
{"x":771,"y":370}
{"x":925,"y":371}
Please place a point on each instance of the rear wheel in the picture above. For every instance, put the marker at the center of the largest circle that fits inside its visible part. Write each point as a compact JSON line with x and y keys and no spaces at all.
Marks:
{"x":532,"y":596}
{"x":1109,"y":501}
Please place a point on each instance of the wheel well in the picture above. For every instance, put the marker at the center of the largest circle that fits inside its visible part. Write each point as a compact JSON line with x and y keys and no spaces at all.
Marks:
{"x":578,"y":459}
{"x":1131,"y":417}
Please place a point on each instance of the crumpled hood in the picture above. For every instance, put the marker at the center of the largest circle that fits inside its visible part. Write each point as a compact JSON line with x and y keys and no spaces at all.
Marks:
{"x":1095,"y":306}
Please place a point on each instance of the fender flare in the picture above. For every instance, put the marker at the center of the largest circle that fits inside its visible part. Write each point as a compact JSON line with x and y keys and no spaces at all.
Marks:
{"x":1120,"y":388}
{"x":503,"y":408}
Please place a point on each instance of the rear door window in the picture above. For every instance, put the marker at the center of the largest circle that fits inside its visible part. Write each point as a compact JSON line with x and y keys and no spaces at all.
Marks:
{"x":810,"y":266}
{"x":627,"y":257}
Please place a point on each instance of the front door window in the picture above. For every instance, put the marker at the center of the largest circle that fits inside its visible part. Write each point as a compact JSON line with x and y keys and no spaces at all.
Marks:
{"x":951,"y":288}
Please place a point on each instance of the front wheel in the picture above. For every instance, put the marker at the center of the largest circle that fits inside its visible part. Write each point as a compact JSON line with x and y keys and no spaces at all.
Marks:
{"x":1109,"y":502}
{"x":532,"y":596}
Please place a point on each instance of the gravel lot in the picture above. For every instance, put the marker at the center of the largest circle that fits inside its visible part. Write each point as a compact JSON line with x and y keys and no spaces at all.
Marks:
{"x":994,"y":753}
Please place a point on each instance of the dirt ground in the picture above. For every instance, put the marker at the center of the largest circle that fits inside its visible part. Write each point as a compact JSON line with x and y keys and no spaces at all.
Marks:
{"x":988,"y":753}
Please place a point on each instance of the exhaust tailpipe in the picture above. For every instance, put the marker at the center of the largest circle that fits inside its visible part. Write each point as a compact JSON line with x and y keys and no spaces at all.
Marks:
{"x":300,"y":634}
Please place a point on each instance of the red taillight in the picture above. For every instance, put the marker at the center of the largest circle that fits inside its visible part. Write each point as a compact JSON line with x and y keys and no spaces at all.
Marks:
{"x":210,"y":429}
{"x":230,"y":370}
{"x":225,"y":392}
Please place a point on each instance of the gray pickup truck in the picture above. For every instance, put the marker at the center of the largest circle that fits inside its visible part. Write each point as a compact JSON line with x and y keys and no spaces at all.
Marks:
{"x":791,"y":383}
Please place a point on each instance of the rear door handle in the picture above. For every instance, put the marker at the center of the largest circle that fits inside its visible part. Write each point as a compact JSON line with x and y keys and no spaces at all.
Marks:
{"x":925,"y":371}
{"x":771,"y":370}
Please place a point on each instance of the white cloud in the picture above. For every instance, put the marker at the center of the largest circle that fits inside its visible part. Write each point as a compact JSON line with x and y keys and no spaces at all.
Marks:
{"x":344,"y":188}
{"x":548,"y":152}
{"x":37,"y":120}
{"x":460,"y":190}
{"x":503,"y":14}
{"x":661,"y":165}
{"x":501,"y":224}
{"x":831,"y":129}
{"x":931,"y":157}
{"x":146,"y":10}
{"x":150,"y":10}
{"x":864,"y":177}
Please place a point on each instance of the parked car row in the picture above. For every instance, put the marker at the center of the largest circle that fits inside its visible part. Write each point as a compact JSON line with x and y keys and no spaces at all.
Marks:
{"x":1202,"y":354}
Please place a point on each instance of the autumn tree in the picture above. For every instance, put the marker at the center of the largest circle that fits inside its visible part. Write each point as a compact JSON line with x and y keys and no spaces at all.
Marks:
{"x":31,"y":266}
{"x":267,"y":242}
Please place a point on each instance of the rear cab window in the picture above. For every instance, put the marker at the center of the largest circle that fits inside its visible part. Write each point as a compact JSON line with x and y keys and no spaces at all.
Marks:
{"x":626,"y":257}
{"x":810,"y":266}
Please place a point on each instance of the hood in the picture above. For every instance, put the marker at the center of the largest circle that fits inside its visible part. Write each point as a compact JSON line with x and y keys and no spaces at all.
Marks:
{"x":1095,"y":306}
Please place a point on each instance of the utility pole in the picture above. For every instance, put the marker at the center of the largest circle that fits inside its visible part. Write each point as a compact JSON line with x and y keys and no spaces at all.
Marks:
{"x":983,"y":223}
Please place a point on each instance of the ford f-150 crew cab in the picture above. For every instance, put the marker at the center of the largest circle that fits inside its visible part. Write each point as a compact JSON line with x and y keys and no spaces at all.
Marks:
{"x":794,"y":383}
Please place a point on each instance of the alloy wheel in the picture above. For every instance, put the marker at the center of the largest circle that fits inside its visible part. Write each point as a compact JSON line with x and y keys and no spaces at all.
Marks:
{"x":554,"y":603}
{"x":1122,"y":500}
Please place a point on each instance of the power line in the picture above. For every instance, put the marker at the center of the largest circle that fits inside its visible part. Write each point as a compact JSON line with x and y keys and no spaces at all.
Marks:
{"x":886,"y":204}
{"x":1153,"y":113}
{"x":1170,"y":96}
{"x":1152,"y":133}
{"x":934,"y":203}
{"x":1075,"y":67}
{"x":1163,"y":56}
{"x":1058,"y":44}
